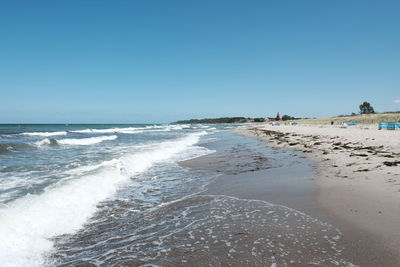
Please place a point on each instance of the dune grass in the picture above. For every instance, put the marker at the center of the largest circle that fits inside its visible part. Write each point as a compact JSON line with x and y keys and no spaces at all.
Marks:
{"x":361,"y":119}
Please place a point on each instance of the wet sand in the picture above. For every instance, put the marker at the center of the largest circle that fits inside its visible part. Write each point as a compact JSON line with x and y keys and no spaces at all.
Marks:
{"x":279,"y":176}
{"x":286,"y":177}
{"x":247,"y":204}
{"x":357,"y":187}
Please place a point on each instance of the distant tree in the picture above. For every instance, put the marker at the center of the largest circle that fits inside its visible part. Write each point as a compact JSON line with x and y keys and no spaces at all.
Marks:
{"x":215,"y":120}
{"x":287,"y":117}
{"x":259,"y":119}
{"x":366,"y":108}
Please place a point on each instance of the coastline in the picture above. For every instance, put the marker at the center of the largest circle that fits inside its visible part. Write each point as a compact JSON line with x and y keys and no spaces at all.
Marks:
{"x":250,"y":171}
{"x":285,"y":178}
{"x":273,"y":218}
{"x":358,"y":182}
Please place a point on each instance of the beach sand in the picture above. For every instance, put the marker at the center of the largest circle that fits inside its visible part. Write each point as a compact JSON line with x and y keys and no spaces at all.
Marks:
{"x":268,"y":195}
{"x":358,"y":182}
{"x":287,"y":177}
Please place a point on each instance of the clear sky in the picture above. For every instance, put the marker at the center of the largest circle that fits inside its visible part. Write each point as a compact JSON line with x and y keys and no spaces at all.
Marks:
{"x":160,"y":61}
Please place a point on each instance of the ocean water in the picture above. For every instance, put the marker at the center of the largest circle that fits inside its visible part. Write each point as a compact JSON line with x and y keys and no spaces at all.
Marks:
{"x":115,"y":195}
{"x":55,"y":179}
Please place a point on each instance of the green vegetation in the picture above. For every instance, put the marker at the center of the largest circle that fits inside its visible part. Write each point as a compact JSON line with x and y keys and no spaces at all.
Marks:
{"x":367,"y":116}
{"x":234,"y":120}
{"x":287,"y":117}
{"x":366,"y":108}
{"x":215,"y":120}
{"x":361,"y":119}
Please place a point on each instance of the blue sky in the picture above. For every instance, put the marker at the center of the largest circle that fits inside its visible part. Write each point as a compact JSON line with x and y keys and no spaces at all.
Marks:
{"x":160,"y":61}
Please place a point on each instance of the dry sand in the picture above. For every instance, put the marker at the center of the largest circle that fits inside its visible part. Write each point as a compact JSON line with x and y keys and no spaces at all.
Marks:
{"x":358,"y":174}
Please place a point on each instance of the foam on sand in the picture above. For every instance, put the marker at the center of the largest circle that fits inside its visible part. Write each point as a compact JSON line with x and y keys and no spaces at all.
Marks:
{"x":28,"y":224}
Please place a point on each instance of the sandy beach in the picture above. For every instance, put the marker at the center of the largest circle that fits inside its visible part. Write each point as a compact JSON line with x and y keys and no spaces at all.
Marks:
{"x":269,"y":216}
{"x":358,"y":179}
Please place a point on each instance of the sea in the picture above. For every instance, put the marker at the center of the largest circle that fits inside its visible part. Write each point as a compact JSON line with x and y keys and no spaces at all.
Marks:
{"x":116,"y":195}
{"x":55,"y":179}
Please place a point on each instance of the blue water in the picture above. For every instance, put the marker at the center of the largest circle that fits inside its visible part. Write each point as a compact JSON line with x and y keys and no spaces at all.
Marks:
{"x":53,"y":177}
{"x":115,"y":195}
{"x":36,"y":156}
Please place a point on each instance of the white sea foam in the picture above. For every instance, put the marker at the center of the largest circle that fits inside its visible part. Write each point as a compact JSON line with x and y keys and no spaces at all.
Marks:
{"x":86,"y":141}
{"x":44,"y":142}
{"x":134,"y":130}
{"x":110,"y":130}
{"x":75,"y":141}
{"x":118,"y":130}
{"x":28,"y":224}
{"x":45,"y":133}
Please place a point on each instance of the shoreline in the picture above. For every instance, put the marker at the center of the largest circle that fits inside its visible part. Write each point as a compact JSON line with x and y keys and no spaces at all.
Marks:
{"x":279,"y":176}
{"x":280,"y":185}
{"x":358,"y":184}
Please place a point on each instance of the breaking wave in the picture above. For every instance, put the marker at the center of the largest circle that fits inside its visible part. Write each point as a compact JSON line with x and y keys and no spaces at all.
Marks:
{"x":75,"y":141}
{"x":29,"y":224}
{"x":134,"y":130}
{"x":86,"y":141}
{"x":45,"y":133}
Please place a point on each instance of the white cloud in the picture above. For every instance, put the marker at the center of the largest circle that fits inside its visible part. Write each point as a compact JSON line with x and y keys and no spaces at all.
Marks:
{"x":396,"y":101}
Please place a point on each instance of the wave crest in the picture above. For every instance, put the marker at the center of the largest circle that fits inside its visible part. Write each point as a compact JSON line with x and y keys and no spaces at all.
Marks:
{"x":86,"y":141}
{"x":45,"y":133}
{"x":32,"y":221}
{"x":135,"y":130}
{"x":75,"y":141}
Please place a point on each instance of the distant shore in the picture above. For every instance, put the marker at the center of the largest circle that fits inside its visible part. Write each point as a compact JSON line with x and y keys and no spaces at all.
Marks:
{"x":358,"y":171}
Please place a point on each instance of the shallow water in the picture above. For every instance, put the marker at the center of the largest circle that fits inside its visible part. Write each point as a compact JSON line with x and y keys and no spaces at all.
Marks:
{"x":54,"y":178}
{"x":116,"y":196}
{"x":205,"y":230}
